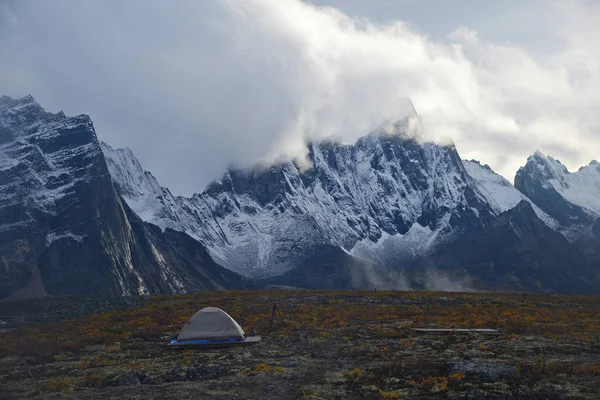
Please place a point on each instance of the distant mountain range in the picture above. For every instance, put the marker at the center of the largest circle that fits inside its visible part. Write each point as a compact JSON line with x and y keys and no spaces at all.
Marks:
{"x":77,"y":216}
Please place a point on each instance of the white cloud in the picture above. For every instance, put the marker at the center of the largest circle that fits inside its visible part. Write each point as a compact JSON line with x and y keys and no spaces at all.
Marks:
{"x":195,"y":87}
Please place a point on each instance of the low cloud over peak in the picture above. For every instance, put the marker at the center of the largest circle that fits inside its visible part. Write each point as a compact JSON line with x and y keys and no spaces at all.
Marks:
{"x":196,"y":87}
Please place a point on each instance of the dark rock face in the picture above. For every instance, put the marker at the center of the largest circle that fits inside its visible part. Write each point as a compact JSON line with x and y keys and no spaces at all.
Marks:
{"x":596,"y":228}
{"x":330,"y":267}
{"x":518,"y":251}
{"x":60,"y":215}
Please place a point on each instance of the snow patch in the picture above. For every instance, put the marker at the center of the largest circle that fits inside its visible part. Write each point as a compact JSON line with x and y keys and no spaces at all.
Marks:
{"x":53,"y":237}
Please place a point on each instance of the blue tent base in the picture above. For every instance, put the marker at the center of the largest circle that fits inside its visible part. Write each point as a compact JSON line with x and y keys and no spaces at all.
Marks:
{"x":214,"y":344}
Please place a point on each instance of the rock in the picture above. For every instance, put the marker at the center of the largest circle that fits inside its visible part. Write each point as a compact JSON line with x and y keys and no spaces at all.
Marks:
{"x":129,"y":379}
{"x":192,"y":375}
{"x":176,"y":374}
{"x":483,"y":372}
{"x":474,"y":394}
{"x":208,"y":372}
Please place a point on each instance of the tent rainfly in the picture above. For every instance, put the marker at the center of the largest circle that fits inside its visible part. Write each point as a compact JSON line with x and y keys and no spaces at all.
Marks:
{"x":212,"y":326}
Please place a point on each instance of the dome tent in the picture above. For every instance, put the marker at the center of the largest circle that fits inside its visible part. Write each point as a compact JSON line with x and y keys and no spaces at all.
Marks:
{"x":210,"y":326}
{"x":211,"y":323}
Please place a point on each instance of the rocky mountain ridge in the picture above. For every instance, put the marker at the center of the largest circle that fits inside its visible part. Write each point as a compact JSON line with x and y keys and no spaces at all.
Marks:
{"x":65,"y":229}
{"x":387,"y":211}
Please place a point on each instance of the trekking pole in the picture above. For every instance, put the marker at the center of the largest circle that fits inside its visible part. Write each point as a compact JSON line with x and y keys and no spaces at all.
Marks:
{"x":284,"y":323}
{"x":272,"y":318}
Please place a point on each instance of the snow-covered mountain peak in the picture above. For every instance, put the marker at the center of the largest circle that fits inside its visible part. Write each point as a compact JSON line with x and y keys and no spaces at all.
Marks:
{"x":499,"y":192}
{"x":264,"y":221}
{"x":592,"y":168}
{"x":7,"y":101}
{"x":571,"y":197}
{"x":477,"y":162}
{"x":20,"y":114}
{"x":61,"y":218}
{"x":549,"y":172}
{"x":45,"y":156}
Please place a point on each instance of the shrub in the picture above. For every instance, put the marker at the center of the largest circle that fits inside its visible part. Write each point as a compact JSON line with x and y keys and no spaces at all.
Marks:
{"x":388,"y":395}
{"x":262,"y":367}
{"x":439,"y":384}
{"x":60,"y":357}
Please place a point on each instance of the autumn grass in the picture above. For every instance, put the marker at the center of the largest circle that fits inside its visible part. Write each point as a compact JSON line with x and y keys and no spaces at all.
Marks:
{"x":320,"y":314}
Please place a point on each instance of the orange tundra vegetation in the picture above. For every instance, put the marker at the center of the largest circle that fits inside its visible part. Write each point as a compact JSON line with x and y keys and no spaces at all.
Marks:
{"x":321,"y":314}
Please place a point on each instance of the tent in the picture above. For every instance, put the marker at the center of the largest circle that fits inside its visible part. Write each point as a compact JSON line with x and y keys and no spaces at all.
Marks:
{"x":212,"y":327}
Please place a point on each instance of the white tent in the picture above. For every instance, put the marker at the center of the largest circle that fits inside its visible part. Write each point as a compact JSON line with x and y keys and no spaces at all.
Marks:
{"x":211,"y":323}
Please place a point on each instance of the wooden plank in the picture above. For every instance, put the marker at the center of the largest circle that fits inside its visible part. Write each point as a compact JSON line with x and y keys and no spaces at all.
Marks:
{"x":441,"y":331}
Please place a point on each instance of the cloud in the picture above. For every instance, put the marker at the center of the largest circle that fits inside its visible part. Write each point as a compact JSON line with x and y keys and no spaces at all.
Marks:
{"x":7,"y":18}
{"x":196,"y":87}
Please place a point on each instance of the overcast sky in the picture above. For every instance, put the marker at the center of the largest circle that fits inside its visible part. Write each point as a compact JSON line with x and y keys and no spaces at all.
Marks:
{"x":193,"y":86}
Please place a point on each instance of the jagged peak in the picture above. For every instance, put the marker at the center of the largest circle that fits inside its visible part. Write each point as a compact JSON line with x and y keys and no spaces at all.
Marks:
{"x":593,"y":165}
{"x":551,"y":165}
{"x":484,"y":166}
{"x":538,"y":154}
{"x":9,"y":102}
{"x":23,"y":101}
{"x":27,"y":99}
{"x":539,"y":162}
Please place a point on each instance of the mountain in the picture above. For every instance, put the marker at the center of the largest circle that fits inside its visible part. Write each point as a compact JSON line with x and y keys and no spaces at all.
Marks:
{"x":389,"y":211}
{"x":266,"y":222}
{"x":572,"y":198}
{"x":518,"y":251}
{"x":500,"y":193}
{"x":64,"y":229}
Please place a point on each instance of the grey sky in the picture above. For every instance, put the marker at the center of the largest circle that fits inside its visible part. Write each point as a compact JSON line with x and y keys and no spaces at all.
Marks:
{"x":192,"y":86}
